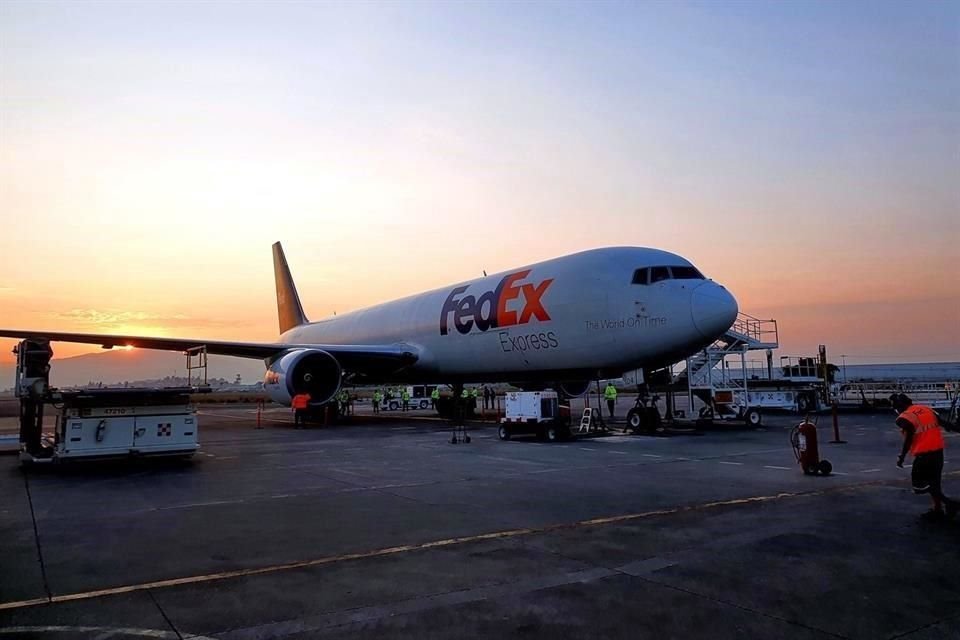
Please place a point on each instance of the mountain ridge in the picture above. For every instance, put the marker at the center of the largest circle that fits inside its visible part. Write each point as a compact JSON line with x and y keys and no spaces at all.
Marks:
{"x":122,"y":365}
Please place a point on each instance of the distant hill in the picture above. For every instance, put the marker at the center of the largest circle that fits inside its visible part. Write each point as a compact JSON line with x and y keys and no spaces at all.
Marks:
{"x":117,"y":366}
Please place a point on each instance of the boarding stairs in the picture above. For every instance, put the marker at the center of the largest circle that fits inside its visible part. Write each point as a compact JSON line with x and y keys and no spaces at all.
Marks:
{"x":708,"y":371}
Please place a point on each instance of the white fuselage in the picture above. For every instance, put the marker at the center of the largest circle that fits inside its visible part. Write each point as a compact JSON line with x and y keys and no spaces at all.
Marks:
{"x":579,"y":316}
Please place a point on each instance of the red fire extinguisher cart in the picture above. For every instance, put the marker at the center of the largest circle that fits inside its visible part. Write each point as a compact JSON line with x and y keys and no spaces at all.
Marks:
{"x":803,"y":438}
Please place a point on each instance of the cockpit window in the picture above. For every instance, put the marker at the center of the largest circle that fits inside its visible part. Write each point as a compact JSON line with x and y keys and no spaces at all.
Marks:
{"x":641,"y":276}
{"x":686,"y":273}
{"x":659,"y":273}
{"x":649,"y":275}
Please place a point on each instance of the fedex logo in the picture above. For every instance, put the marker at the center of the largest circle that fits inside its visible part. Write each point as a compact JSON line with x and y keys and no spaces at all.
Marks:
{"x":493,"y":308}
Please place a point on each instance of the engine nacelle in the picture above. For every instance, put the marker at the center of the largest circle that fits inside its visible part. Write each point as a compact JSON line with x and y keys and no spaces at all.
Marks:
{"x":312,"y":371}
{"x":575,"y":388}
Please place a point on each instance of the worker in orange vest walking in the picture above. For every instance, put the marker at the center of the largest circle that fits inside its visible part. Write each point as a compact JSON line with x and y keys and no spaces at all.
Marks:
{"x":923,"y":439}
{"x":300,"y":403}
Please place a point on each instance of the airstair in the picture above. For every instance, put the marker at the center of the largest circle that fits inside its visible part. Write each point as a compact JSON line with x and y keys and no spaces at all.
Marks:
{"x":709,"y":378}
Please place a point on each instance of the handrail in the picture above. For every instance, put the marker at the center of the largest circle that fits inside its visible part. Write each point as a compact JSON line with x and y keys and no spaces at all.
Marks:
{"x":756,"y":329}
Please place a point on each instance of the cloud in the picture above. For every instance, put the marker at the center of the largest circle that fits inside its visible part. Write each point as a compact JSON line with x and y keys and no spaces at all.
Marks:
{"x":113,"y":317}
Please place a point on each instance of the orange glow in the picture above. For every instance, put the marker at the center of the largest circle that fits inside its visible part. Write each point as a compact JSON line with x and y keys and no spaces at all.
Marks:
{"x":142,"y":184}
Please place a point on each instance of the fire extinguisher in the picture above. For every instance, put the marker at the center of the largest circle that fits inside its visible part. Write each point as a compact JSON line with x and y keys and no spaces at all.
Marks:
{"x":803,"y":438}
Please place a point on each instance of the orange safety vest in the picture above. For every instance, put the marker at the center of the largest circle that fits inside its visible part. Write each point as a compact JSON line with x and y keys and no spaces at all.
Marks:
{"x":300,"y":401}
{"x":926,"y":429}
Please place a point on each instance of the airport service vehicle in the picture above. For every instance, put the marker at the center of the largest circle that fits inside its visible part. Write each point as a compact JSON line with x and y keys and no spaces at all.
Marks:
{"x":99,"y":423}
{"x":536,"y":412}
{"x":125,"y":422}
{"x":419,"y":398}
{"x":560,"y":323}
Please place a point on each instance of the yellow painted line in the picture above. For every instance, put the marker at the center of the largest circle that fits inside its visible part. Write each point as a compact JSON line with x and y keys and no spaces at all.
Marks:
{"x":23,"y":603}
{"x":495,"y":535}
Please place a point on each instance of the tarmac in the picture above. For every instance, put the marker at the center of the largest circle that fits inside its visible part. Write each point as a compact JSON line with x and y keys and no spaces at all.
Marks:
{"x":384,"y":529}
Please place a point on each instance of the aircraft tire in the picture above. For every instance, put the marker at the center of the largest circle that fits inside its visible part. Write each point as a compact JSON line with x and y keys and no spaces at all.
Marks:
{"x":635,"y":420}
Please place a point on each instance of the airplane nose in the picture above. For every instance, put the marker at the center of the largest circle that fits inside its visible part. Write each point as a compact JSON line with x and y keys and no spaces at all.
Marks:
{"x":713,"y":309}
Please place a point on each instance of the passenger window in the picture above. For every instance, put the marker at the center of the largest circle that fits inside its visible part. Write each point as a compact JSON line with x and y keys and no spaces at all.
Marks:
{"x":659,"y":273}
{"x":686,"y":273}
{"x":641,"y":276}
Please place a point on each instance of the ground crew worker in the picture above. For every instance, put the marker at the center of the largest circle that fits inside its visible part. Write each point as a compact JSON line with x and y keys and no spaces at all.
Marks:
{"x":610,"y":394}
{"x":377,"y":399}
{"x":299,"y":404}
{"x":343,"y":399}
{"x":434,"y":396}
{"x":464,"y":403}
{"x":405,"y":396}
{"x":923,"y":439}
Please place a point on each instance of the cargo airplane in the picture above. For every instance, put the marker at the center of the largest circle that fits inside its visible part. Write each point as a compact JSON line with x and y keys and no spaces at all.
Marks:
{"x":562,"y":323}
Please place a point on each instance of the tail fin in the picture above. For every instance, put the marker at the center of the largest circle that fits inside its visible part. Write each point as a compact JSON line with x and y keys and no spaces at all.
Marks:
{"x":289,"y":309}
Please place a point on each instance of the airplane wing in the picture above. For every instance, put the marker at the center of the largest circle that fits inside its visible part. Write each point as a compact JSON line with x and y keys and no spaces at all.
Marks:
{"x":357,"y":358}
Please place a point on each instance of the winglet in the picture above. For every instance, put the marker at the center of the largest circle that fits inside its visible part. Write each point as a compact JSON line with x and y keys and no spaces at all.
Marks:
{"x":289,"y":309}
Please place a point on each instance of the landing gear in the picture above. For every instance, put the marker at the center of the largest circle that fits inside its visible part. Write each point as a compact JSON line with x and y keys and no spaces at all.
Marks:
{"x":644,"y":417}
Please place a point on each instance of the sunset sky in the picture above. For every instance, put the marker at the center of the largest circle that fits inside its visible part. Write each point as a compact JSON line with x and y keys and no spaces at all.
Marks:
{"x":805,"y":155}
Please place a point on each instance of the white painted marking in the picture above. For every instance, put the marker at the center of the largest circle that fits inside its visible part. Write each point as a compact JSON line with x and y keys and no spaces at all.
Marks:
{"x":739,"y":464}
{"x":622,"y":453}
{"x":773,"y":466}
{"x":200,"y":504}
{"x":870,"y":470}
{"x":839,"y":473}
{"x":586,"y":449}
{"x":650,"y":455}
{"x":107,"y":631}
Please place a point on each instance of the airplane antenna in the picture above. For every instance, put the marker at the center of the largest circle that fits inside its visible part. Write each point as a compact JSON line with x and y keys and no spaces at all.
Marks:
{"x":484,"y":273}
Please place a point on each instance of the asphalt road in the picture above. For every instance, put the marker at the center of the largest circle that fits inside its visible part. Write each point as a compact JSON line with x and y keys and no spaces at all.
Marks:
{"x":385,"y":529}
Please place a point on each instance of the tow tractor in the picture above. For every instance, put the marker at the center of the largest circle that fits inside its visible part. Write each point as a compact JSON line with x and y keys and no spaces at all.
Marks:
{"x":419,"y":398}
{"x":98,"y":423}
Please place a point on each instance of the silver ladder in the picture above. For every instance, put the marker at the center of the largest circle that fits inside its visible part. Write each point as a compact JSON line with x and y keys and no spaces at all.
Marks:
{"x":586,"y":420}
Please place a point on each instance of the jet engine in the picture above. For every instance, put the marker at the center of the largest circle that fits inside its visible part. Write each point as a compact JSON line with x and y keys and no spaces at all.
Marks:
{"x":575,"y":388}
{"x":310,"y":371}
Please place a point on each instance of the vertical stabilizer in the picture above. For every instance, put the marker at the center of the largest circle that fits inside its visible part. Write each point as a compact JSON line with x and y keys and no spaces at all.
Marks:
{"x":289,"y":309}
